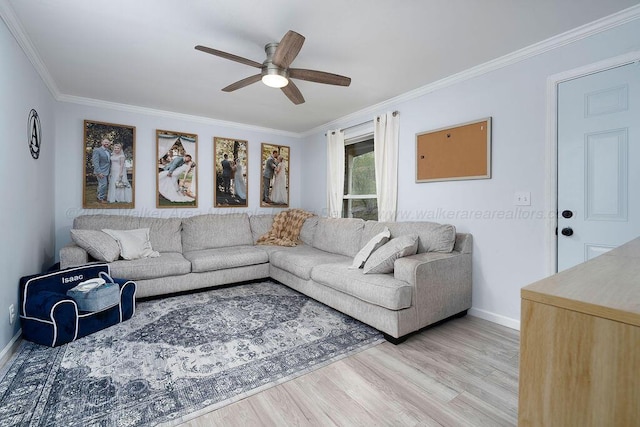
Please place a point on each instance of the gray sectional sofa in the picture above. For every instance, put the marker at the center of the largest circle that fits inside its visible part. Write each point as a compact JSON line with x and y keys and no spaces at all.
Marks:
{"x":212,"y":250}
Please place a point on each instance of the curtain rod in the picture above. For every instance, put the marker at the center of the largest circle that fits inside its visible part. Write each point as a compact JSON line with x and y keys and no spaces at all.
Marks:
{"x":395,"y":113}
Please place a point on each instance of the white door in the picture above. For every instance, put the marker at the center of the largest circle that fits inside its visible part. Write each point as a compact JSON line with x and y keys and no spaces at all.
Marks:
{"x":598,"y":163}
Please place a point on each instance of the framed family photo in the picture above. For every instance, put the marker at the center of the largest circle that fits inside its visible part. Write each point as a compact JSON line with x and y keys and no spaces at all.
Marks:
{"x":230,"y":161}
{"x":176,"y":170}
{"x":108,"y":171}
{"x":275,"y":175}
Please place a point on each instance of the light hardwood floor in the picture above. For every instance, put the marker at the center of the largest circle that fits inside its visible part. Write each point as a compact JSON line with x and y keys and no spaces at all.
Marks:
{"x":461,"y":373}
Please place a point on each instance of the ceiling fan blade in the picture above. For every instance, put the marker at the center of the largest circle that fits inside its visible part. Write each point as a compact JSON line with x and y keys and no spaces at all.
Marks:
{"x":230,"y":56}
{"x":319,"y":77}
{"x":242,"y":83}
{"x":288,"y":49}
{"x":293,"y":93}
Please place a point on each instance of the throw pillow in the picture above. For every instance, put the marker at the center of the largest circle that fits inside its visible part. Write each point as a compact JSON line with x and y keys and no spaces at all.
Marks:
{"x":134,"y":244}
{"x":99,"y":245}
{"x":381,"y":261}
{"x":372,"y":245}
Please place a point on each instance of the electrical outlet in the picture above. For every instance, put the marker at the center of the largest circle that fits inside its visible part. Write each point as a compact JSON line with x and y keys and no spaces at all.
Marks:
{"x":12,"y":314}
{"x":522,"y":198}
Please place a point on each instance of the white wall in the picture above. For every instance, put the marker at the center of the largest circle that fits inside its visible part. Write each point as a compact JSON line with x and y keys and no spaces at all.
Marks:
{"x":509,"y":241}
{"x":69,"y":161}
{"x":27,"y":190}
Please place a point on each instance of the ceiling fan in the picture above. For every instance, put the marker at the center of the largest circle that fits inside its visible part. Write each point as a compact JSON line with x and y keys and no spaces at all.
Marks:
{"x":275,"y":71}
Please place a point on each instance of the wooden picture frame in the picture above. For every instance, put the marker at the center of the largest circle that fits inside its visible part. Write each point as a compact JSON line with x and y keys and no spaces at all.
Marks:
{"x":274,"y":187}
{"x":108,"y":171}
{"x":455,"y":153}
{"x":176,"y":170}
{"x":230,"y":166}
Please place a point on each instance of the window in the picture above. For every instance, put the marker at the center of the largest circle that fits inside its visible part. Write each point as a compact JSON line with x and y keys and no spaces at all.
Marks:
{"x":360,"y":199}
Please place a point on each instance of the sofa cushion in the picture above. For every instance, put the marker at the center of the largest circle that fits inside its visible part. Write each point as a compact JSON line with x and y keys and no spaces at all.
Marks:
{"x":372,"y":245}
{"x":260,"y":224}
{"x":98,"y":244}
{"x":215,"y":231}
{"x":164,"y":233}
{"x":223,"y":258}
{"x":167,"y":264}
{"x":299,"y":260}
{"x":134,"y":244}
{"x":308,"y":230}
{"x":339,"y":235}
{"x":433,"y":237}
{"x":382,"y":260}
{"x":100,"y":221}
{"x":379,"y":289}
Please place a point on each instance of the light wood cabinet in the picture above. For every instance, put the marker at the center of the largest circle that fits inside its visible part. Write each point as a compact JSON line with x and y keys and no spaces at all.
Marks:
{"x":580,"y":344}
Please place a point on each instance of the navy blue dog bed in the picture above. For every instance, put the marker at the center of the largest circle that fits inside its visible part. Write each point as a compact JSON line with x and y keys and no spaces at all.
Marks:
{"x":49,"y":317}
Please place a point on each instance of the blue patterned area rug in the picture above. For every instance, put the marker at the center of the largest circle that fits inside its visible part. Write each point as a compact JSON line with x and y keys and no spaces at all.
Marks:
{"x":178,"y":358}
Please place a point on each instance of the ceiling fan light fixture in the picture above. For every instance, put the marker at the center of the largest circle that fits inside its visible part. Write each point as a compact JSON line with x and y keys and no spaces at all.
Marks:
{"x":275,"y":77}
{"x":275,"y":80}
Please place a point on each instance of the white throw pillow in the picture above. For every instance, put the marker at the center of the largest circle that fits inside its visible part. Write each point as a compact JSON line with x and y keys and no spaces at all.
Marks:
{"x":372,"y":245}
{"x":381,"y":261}
{"x":99,"y":245}
{"x":134,"y":244}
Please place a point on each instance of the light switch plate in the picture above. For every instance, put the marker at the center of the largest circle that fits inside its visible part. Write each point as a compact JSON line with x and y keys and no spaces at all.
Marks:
{"x":522,"y":198}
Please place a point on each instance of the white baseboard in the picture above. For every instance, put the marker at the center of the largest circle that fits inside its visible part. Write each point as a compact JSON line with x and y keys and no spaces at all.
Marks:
{"x":6,"y":352}
{"x":495,"y":318}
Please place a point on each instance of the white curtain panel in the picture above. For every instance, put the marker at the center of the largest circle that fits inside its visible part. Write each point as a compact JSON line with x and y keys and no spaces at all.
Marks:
{"x":385,"y":143}
{"x":165,"y":142}
{"x":189,"y":146}
{"x":335,"y":172}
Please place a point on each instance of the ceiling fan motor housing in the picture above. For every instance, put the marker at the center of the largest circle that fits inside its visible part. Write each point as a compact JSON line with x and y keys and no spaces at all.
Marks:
{"x":272,"y":75}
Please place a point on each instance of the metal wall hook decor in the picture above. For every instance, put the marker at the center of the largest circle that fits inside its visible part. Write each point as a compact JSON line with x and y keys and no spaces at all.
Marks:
{"x":34,"y":133}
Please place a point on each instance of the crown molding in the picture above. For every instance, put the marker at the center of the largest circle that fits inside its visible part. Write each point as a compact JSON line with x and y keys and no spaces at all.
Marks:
{"x":172,"y":115}
{"x":568,"y":37}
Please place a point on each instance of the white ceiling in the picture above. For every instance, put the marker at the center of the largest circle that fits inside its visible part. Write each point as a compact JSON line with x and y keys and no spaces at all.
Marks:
{"x":141,"y":52}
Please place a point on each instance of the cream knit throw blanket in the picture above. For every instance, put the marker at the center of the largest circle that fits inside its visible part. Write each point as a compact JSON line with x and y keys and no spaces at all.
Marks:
{"x":286,"y":227}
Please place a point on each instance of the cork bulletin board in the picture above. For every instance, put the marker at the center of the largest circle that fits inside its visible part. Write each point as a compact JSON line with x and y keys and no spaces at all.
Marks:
{"x":454,"y":153}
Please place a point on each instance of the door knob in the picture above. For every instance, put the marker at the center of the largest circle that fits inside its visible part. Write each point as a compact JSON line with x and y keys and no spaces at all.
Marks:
{"x":567,"y":214}
{"x":567,"y":231}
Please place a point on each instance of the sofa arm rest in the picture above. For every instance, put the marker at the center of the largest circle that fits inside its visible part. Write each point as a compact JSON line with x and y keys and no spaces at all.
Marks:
{"x":73,"y":255}
{"x":441,"y":283}
{"x":128,"y":290}
{"x":406,"y":268}
{"x":50,"y":318}
{"x":42,"y":305}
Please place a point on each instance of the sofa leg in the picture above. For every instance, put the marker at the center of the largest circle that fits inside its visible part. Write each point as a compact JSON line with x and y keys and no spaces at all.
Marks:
{"x":459,"y":315}
{"x":400,"y":340}
{"x":394,"y":340}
